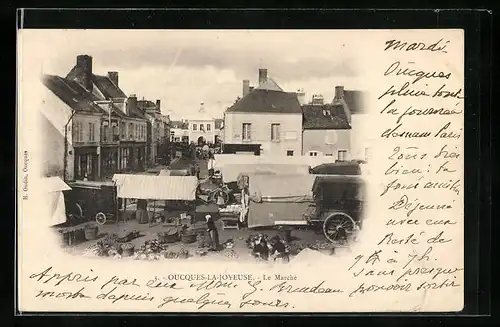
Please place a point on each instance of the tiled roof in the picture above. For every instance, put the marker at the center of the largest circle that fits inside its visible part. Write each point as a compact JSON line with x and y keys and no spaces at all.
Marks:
{"x":354,"y":100}
{"x":145,"y":104}
{"x":218,"y":123}
{"x":270,"y":85}
{"x":136,"y":113}
{"x":325,"y":116}
{"x":103,"y":83}
{"x":73,"y":95}
{"x":267,"y":101}
{"x":107,"y":87}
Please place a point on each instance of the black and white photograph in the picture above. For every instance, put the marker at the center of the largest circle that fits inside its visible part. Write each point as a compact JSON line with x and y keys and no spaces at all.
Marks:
{"x":155,"y":161}
{"x":241,"y":170}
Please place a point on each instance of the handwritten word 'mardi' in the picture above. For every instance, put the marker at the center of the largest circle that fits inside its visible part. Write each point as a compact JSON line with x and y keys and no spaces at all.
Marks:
{"x":418,"y":74}
{"x":416,"y":46}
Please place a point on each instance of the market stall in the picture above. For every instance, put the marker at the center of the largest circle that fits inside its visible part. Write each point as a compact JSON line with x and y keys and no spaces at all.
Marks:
{"x":54,"y":188}
{"x":230,"y":172}
{"x":279,"y":199}
{"x":92,"y":200}
{"x":174,"y":191}
{"x":175,"y":172}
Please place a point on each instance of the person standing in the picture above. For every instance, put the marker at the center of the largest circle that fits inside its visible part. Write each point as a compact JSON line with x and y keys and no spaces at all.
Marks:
{"x":211,"y":162}
{"x":212,"y":233}
{"x":197,"y":170}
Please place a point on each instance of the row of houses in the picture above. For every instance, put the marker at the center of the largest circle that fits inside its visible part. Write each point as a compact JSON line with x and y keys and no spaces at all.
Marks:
{"x":283,"y":124}
{"x":92,"y":129}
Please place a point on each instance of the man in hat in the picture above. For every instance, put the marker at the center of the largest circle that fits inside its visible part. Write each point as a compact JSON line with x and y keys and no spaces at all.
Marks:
{"x":212,"y":233}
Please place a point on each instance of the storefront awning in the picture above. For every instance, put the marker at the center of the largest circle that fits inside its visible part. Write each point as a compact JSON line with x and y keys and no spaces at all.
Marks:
{"x":156,"y":187}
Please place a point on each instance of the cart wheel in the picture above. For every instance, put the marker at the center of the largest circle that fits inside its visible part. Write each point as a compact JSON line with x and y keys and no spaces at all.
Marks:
{"x":337,"y":226}
{"x":77,"y":215}
{"x":100,"y":218}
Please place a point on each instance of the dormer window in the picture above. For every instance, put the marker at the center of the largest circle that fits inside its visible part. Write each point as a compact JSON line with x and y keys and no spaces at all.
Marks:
{"x":326,"y":113}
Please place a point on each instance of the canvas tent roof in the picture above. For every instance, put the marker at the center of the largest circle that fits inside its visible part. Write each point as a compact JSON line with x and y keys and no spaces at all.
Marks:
{"x":55,"y":184}
{"x":156,"y":187}
{"x":282,"y":187}
{"x":338,"y":168}
{"x":175,"y":172}
{"x":230,"y":172}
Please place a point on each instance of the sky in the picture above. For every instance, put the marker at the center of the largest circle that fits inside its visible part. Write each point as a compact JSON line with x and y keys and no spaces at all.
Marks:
{"x":183,"y":68}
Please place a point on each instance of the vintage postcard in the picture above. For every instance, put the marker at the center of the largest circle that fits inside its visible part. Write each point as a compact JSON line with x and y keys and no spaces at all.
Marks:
{"x":240,"y":171}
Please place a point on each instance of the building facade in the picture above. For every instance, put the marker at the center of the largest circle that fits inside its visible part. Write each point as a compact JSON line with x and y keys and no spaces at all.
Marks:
{"x":102,"y":129}
{"x":265,"y":115}
{"x":326,"y":132}
{"x":179,"y":131}
{"x":71,"y":111}
{"x":157,"y":129}
{"x":354,"y":103}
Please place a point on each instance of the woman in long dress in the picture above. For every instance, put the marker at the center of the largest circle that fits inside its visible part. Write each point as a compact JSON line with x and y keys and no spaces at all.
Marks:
{"x":212,"y":233}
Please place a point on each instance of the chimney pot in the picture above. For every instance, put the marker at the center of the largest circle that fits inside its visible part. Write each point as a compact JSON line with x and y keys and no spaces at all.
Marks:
{"x":339,"y":92}
{"x":158,"y":105}
{"x":84,"y":64}
{"x":262,"y":76}
{"x":113,"y":76}
{"x":131,"y":104}
{"x":246,"y":87}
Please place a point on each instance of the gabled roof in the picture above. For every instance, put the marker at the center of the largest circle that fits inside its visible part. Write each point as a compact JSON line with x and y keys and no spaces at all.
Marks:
{"x":218,"y":123}
{"x":355,"y":101}
{"x":73,"y":95}
{"x":267,"y":101}
{"x":270,"y":85}
{"x":107,"y":87}
{"x":326,"y":116}
{"x":103,"y":83}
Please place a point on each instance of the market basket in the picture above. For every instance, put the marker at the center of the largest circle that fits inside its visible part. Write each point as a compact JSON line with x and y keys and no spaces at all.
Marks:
{"x":127,"y":249}
{"x":188,"y":238}
{"x":171,"y":235}
{"x":91,"y":232}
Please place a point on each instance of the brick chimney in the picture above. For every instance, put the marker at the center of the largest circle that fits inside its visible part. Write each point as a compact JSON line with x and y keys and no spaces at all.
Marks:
{"x":131,"y":104}
{"x":339,"y":92}
{"x":262,"y":76}
{"x":84,"y":64}
{"x":246,"y":87}
{"x":158,"y":105}
{"x":113,"y":76}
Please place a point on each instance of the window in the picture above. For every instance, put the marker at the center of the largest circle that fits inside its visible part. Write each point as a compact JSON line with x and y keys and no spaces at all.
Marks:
{"x":91,"y":132}
{"x":105,"y":131}
{"x":246,"y":135}
{"x":313,"y":153}
{"x":209,"y":127}
{"x":76,"y":132}
{"x":202,"y":128}
{"x":289,"y":153}
{"x":122,"y":127}
{"x":195,"y":127}
{"x":341,"y":155}
{"x":137,"y":131}
{"x":275,"y":132}
{"x":80,"y":132}
{"x":130,"y":131}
